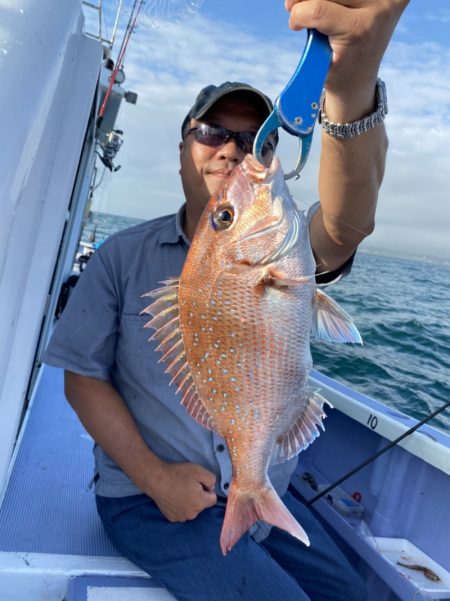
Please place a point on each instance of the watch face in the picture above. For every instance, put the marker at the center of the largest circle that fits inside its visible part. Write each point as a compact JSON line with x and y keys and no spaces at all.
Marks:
{"x":120,"y":76}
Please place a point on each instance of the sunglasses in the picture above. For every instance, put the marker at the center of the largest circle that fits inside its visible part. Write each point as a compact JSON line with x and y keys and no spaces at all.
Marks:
{"x":216,"y":136}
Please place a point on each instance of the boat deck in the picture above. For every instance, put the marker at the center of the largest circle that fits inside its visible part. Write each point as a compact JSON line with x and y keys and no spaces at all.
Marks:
{"x":53,"y":546}
{"x":48,"y":507}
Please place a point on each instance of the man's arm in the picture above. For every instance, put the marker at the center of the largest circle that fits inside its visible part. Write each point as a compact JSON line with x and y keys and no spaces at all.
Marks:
{"x":181,"y":490}
{"x":351,"y":170}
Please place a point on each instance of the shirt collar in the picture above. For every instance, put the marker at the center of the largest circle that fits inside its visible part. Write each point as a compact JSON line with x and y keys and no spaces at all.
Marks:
{"x":173,"y":232}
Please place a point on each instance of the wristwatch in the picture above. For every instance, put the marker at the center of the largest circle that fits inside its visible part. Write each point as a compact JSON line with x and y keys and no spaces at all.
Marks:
{"x":344,"y":131}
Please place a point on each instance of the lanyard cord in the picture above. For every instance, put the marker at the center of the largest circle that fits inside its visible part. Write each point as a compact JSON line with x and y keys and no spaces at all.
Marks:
{"x":123,"y":48}
{"x":373,"y":457}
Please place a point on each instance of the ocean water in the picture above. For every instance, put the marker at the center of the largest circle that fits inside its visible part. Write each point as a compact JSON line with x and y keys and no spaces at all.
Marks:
{"x":402,"y":310}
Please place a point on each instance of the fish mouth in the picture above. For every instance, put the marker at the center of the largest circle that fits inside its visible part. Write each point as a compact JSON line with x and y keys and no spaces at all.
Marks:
{"x":270,"y":224}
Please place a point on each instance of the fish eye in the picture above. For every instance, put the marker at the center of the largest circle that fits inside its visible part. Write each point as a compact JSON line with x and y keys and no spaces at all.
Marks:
{"x":223,"y":217}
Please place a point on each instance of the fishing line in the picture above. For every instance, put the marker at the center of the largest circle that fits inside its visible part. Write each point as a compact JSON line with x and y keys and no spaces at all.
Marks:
{"x":373,"y":457}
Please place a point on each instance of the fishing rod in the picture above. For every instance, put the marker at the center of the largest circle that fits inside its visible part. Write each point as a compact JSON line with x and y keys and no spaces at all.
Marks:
{"x":137,"y":6}
{"x":168,"y":12}
{"x":376,"y":455}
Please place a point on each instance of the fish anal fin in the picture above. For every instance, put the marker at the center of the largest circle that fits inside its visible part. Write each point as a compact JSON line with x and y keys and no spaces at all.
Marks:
{"x":331,"y":323}
{"x":244,"y":509}
{"x":165,"y":321}
{"x":304,"y":430}
{"x":197,"y":410}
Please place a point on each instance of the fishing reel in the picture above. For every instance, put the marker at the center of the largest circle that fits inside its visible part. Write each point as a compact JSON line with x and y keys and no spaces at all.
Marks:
{"x":110,"y":147}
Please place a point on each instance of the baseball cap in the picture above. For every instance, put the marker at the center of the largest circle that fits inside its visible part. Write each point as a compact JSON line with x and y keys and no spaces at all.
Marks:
{"x":211,"y":94}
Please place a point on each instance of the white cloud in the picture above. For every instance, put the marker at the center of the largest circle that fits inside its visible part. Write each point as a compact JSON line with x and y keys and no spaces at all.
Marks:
{"x":442,"y":16}
{"x":414,"y":210}
{"x":167,"y":67}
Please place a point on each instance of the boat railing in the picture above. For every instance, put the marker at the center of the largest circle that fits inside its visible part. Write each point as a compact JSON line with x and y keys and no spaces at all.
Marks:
{"x":95,"y":20}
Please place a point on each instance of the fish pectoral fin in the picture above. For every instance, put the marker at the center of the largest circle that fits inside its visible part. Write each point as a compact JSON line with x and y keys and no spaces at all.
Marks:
{"x":304,"y":431}
{"x":331,"y":322}
{"x":276,"y":279}
{"x":166,"y":323}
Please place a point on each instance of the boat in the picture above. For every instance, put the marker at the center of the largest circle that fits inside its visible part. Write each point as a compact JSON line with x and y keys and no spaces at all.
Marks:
{"x":391,"y":517}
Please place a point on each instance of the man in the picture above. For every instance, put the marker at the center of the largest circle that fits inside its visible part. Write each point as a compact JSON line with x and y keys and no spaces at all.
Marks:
{"x":159,"y":475}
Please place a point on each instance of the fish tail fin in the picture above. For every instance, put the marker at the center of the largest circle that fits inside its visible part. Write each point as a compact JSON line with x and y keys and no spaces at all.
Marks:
{"x":243,"y":510}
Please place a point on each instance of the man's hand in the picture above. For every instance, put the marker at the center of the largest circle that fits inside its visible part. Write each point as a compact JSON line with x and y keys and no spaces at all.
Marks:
{"x":184,"y":490}
{"x":359,"y":32}
{"x":181,"y":490}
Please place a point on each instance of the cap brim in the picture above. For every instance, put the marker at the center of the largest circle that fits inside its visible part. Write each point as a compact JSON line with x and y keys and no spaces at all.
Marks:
{"x":223,"y":93}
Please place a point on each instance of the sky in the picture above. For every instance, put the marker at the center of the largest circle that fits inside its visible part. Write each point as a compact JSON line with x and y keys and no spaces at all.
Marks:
{"x":167,"y":64}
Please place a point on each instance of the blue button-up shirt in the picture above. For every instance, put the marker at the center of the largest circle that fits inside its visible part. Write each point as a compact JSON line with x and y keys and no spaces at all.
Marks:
{"x":101,"y":334}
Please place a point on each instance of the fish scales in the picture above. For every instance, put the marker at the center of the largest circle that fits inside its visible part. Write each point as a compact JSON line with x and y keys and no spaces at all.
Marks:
{"x":252,"y":360}
{"x":239,"y":350}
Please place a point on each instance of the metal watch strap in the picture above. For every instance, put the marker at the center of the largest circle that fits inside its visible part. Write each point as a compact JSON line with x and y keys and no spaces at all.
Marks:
{"x":344,"y":131}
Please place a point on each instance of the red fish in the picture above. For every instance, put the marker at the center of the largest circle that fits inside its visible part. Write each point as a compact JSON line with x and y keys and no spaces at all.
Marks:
{"x":234,"y":330}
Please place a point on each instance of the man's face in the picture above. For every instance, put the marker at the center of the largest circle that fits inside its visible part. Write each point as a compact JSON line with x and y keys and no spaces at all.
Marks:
{"x":204,"y":168}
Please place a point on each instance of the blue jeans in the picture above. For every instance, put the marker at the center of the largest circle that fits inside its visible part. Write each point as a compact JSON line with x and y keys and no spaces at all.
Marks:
{"x":185,"y":558}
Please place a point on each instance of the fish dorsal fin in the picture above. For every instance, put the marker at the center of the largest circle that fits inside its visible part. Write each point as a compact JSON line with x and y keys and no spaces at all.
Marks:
{"x":304,"y":431}
{"x":165,"y":321}
{"x":331,"y":322}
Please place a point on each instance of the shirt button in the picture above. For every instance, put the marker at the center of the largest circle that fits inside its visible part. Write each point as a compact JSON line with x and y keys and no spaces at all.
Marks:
{"x":226,"y":485}
{"x":220,"y":448}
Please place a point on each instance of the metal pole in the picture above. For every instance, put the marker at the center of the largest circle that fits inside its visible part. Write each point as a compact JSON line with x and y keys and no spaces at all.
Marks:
{"x":100,"y":35}
{"x":119,"y":10}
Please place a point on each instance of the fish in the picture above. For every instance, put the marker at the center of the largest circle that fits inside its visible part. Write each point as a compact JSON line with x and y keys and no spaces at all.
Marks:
{"x":234,"y":332}
{"x":427,"y":572}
